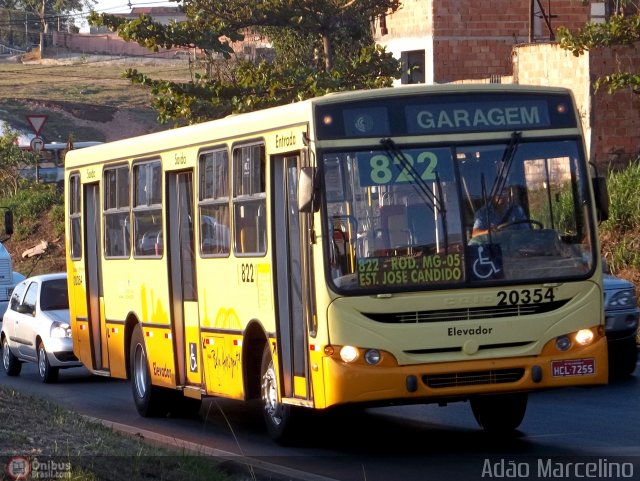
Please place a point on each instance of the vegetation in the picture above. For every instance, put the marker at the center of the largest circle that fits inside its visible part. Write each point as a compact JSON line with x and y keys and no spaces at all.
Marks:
{"x":13,"y":158}
{"x":48,"y":14}
{"x":619,"y":234}
{"x":321,"y":46}
{"x":88,"y":451}
{"x":623,"y":28}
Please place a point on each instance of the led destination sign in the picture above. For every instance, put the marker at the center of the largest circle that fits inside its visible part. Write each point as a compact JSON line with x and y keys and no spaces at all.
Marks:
{"x":460,"y":117}
{"x":444,"y":114}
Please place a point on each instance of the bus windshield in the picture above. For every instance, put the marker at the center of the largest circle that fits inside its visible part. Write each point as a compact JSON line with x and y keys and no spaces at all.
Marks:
{"x":421,"y":216}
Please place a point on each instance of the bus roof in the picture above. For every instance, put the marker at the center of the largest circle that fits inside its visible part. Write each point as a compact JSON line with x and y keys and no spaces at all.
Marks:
{"x":252,"y":123}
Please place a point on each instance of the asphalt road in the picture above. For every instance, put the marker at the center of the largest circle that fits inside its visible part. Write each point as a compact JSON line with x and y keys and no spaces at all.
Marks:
{"x":565,"y":434}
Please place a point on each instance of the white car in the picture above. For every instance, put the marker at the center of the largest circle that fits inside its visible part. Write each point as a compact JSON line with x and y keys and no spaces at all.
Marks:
{"x":35,"y":327}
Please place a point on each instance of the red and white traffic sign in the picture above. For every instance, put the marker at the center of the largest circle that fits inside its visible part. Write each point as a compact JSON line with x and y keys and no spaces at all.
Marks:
{"x":37,"y":122}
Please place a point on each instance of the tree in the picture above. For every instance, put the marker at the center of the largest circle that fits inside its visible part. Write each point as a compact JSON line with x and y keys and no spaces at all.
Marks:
{"x":321,"y":46}
{"x":12,"y":159}
{"x":623,"y":28}
{"x":46,"y":8}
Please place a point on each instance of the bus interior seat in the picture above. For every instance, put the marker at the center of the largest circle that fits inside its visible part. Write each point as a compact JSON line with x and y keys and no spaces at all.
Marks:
{"x":395,"y":226}
{"x":422,"y":224}
{"x":248,"y":239}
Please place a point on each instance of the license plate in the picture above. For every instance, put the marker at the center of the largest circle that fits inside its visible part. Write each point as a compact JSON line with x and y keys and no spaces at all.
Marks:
{"x":573,"y":367}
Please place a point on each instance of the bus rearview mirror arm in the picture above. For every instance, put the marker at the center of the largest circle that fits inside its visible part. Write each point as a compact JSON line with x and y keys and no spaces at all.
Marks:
{"x":601,"y":194}
{"x":307,"y":190}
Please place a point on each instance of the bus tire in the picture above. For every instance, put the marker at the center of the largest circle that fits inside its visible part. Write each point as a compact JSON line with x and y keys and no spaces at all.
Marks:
{"x":11,"y":364}
{"x":48,"y":373}
{"x":151,"y":401}
{"x":278,"y":417}
{"x":499,"y":413}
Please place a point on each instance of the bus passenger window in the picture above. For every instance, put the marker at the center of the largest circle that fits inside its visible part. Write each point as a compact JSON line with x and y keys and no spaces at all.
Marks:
{"x":147,"y":209}
{"x":249,"y":200}
{"x":116,"y":212}
{"x":214,"y":203}
{"x":74,"y":216}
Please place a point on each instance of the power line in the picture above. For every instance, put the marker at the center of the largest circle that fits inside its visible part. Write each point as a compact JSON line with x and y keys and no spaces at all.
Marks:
{"x":53,"y":17}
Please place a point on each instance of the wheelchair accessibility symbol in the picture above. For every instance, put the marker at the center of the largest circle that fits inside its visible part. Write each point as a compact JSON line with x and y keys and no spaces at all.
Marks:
{"x":193,"y":357}
{"x":486,"y":261}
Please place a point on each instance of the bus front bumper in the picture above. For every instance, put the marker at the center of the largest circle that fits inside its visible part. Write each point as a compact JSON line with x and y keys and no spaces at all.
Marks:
{"x":455,"y":381}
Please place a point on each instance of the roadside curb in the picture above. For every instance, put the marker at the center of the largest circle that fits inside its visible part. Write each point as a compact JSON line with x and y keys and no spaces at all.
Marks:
{"x":239,"y":467}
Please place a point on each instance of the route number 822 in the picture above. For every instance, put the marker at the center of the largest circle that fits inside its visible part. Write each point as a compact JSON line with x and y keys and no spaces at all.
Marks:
{"x":382,"y":169}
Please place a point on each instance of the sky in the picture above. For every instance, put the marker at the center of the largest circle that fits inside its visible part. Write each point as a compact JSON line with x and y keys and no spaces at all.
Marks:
{"x":119,"y":6}
{"x":123,"y":6}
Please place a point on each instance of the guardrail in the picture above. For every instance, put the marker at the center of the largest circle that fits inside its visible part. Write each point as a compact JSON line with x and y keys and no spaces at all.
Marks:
{"x":4,"y":50}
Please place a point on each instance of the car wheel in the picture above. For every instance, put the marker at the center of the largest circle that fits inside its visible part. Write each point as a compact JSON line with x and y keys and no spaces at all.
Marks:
{"x":48,"y":373}
{"x":623,"y":360}
{"x":151,"y":401}
{"x":281,"y":419}
{"x":11,"y":364}
{"x":499,"y":413}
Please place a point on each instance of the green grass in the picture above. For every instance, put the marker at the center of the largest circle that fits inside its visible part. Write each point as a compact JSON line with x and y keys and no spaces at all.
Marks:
{"x":30,"y":203}
{"x":620,"y":233}
{"x":48,"y":433}
{"x":94,"y":82}
{"x":78,"y":91}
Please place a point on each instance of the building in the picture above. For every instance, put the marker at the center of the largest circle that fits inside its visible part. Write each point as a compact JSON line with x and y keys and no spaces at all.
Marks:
{"x":442,"y":41}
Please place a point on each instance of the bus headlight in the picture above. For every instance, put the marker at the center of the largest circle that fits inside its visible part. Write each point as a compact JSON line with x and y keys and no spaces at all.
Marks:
{"x":372,"y":356}
{"x":584,"y":337}
{"x":349,"y":353}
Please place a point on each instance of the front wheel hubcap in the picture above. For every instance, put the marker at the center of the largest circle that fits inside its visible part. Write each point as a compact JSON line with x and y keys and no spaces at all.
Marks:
{"x":42,"y":361}
{"x":140,"y":371}
{"x":272,"y":407}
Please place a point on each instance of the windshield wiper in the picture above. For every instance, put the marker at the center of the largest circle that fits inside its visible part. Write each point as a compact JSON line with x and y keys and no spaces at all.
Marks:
{"x":430,"y":199}
{"x":505,"y":166}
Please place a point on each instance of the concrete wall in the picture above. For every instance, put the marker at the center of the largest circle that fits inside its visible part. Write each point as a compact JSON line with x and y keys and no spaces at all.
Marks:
{"x":410,"y":28}
{"x":107,"y":44}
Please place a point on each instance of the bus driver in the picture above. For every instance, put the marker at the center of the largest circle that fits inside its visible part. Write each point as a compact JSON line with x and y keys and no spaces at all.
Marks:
{"x":499,"y":213}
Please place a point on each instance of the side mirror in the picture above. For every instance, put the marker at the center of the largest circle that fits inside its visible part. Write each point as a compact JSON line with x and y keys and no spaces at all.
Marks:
{"x":307,"y":190}
{"x":601,"y":194}
{"x":24,"y":309}
{"x":8,"y":222}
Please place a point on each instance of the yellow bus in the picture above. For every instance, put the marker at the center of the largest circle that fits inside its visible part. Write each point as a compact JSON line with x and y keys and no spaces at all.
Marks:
{"x":406,"y":245}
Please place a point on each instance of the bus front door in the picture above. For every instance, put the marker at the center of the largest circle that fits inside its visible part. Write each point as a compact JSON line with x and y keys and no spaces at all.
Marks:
{"x":98,"y":334}
{"x":294,"y":297}
{"x":182,"y":280}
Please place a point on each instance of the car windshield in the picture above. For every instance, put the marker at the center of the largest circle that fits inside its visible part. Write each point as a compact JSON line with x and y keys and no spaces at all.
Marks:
{"x":54,"y":295}
{"x":421,"y":216}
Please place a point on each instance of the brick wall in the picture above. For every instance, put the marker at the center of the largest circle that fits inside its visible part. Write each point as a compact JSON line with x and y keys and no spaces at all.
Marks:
{"x":468,"y":39}
{"x":615,"y":118}
{"x":611,"y":122}
{"x":471,"y":59}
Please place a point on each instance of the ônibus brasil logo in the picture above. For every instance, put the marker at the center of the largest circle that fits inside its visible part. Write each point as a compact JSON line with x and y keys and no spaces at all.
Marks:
{"x":18,"y":467}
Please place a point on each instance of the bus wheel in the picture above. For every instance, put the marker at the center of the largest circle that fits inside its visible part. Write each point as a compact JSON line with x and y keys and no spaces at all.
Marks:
{"x":150,"y":401}
{"x":499,"y":413}
{"x":12,"y":366}
{"x":277,"y":416}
